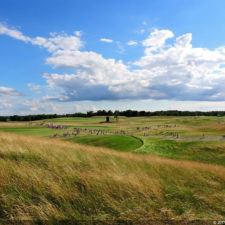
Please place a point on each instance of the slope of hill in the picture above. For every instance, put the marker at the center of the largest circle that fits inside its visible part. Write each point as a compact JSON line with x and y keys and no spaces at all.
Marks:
{"x":52,"y":179}
{"x":116,"y":142}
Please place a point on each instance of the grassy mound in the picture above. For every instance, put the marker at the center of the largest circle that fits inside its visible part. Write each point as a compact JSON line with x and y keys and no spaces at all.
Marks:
{"x":117,"y":142}
{"x":52,"y":179}
{"x":200,"y":151}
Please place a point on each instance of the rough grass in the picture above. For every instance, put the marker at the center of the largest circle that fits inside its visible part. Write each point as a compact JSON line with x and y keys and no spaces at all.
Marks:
{"x":116,"y":142}
{"x":51,"y":179}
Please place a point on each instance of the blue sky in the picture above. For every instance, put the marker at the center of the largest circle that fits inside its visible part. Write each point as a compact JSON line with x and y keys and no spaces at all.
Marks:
{"x":65,"y":56}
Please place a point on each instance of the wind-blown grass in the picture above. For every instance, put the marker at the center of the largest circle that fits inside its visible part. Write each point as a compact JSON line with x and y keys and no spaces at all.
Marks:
{"x":50,"y":179}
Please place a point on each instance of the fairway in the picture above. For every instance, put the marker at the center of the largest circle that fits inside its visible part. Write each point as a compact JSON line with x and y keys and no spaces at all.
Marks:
{"x":117,"y":142}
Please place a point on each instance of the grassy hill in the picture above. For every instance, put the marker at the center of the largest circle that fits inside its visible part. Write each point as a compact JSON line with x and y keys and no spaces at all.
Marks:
{"x":52,"y":179}
{"x":212,"y":152}
{"x":116,"y":142}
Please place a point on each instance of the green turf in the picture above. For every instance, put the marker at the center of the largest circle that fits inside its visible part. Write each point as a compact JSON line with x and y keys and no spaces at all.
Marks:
{"x":200,"y":151}
{"x":117,"y":142}
{"x":96,"y":119}
{"x":34,"y":131}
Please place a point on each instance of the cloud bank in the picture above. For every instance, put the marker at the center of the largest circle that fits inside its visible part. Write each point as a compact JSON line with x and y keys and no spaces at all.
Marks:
{"x":175,"y":71}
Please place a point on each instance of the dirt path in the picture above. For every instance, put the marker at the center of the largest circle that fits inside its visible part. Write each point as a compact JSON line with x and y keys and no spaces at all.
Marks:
{"x":191,"y":138}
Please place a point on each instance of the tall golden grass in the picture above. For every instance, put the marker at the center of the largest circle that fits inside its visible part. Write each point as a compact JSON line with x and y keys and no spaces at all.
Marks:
{"x":51,"y":179}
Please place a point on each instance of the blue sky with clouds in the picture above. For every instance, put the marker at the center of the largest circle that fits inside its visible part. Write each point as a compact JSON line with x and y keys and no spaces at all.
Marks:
{"x":68,"y":56}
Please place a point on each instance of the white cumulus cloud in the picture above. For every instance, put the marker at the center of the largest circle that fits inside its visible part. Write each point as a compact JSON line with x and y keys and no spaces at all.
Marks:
{"x":157,"y":39}
{"x":177,"y":71}
{"x":55,"y":43}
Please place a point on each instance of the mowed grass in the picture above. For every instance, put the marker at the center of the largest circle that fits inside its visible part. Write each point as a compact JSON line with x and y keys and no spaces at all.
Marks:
{"x":43,"y":179}
{"x":96,"y":119}
{"x":32,"y":130}
{"x":43,"y":131}
{"x":116,"y":142}
{"x":200,"y":151}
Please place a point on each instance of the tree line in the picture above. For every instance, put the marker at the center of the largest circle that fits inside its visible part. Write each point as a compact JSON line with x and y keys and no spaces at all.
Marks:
{"x":117,"y":113}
